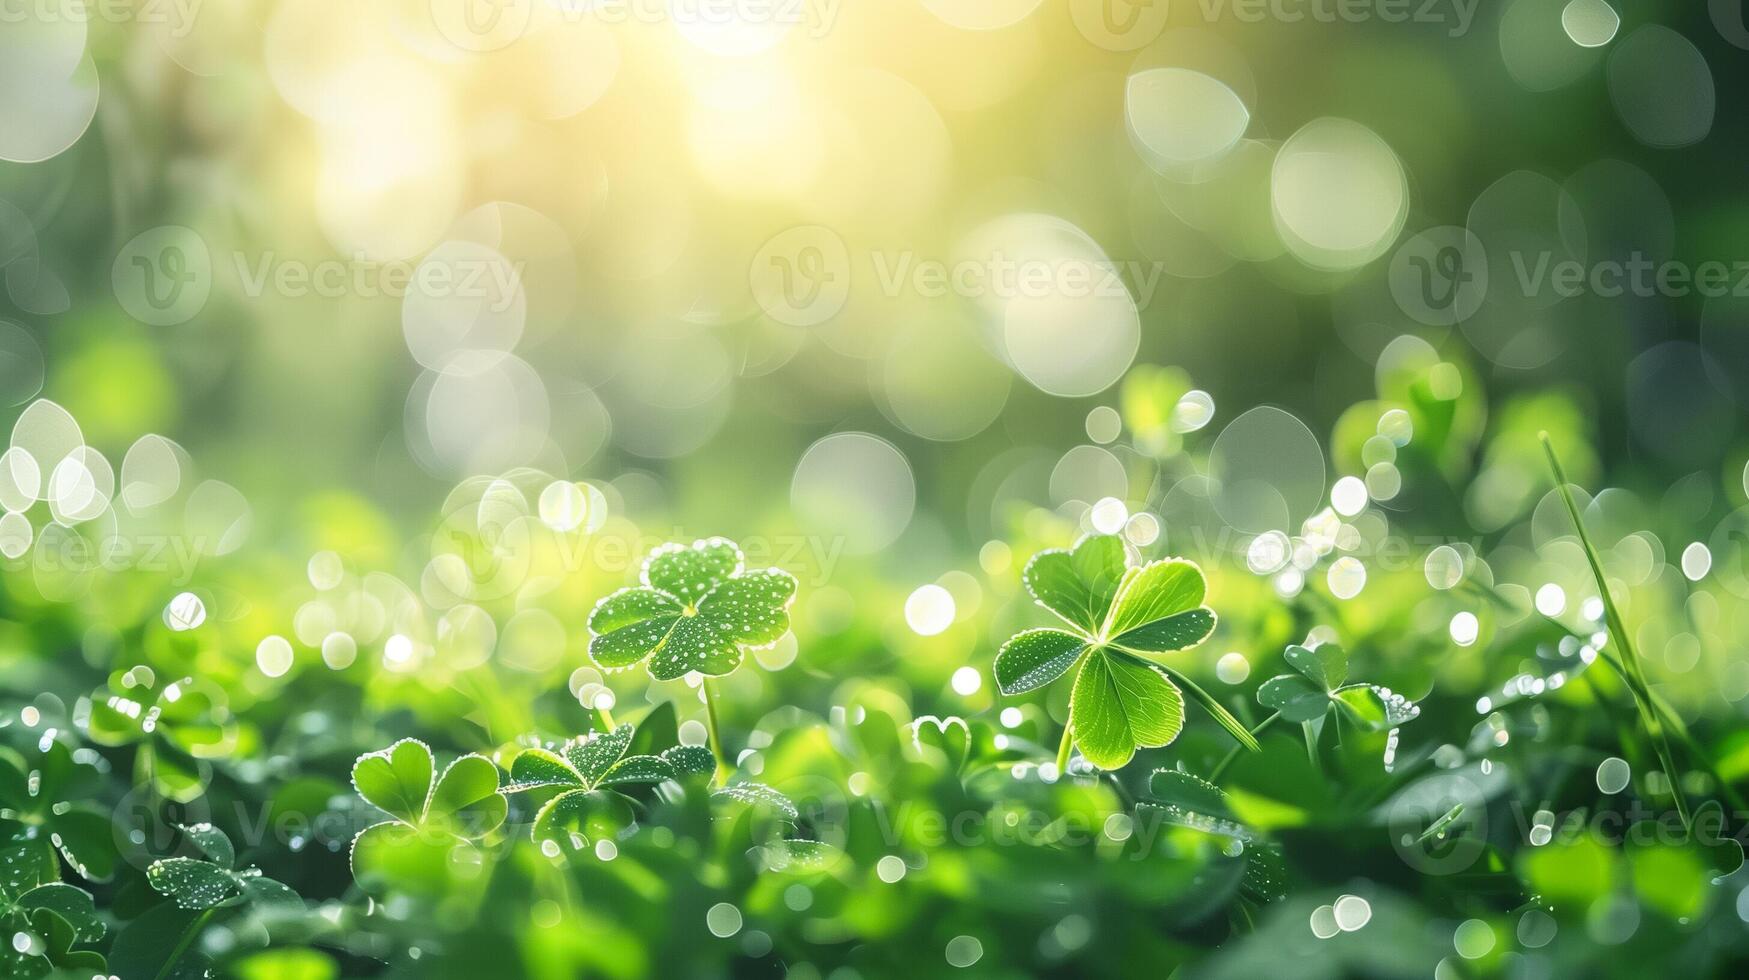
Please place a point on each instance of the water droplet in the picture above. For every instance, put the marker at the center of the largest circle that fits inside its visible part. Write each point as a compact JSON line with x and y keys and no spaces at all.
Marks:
{"x":1613,"y":774}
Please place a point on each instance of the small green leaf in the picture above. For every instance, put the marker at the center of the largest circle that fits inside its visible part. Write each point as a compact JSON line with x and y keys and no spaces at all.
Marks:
{"x":212,"y":842}
{"x":86,"y":839}
{"x":1159,"y":608}
{"x":1174,"y":787}
{"x":691,"y":761}
{"x":268,"y":892}
{"x":949,"y":736}
{"x":799,"y":857}
{"x":1363,"y":705}
{"x":538,"y":767}
{"x":760,"y":796}
{"x":70,"y":903}
{"x":396,"y":780}
{"x":629,"y":625}
{"x":194,"y":885}
{"x":467,"y":801}
{"x":397,"y":856}
{"x":151,"y":946}
{"x":586,"y":814}
{"x":657,"y":730}
{"x":638,"y":769}
{"x":690,"y":574}
{"x":594,"y":754}
{"x":1078,"y":585}
{"x":58,"y":937}
{"x":751,"y":609}
{"x":1265,"y":872}
{"x":1297,"y":698}
{"x":1325,"y":666}
{"x":1119,"y":704}
{"x":1034,"y":658}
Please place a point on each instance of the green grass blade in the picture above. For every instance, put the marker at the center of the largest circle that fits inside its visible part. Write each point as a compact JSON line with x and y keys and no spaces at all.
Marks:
{"x":1633,"y":671}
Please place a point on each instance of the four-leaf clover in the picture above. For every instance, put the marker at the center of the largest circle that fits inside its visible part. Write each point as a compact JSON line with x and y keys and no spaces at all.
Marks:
{"x":697,"y":609}
{"x":428,"y":816}
{"x":1118,"y":619}
{"x":585,"y":771}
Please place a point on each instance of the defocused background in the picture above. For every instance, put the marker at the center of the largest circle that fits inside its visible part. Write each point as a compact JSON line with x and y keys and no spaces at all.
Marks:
{"x":897,"y":289}
{"x":655,"y":177}
{"x":885,"y":286}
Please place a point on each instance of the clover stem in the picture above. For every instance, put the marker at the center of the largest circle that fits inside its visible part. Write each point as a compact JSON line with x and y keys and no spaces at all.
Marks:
{"x":1233,"y":753}
{"x":188,"y":933}
{"x":710,"y":727}
{"x":1063,"y":748}
{"x":606,"y":716}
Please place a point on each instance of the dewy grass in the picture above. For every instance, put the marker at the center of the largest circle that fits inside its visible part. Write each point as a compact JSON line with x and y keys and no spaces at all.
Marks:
{"x":1633,"y":673}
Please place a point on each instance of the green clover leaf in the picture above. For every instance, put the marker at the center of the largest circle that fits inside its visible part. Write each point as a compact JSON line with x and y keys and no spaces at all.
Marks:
{"x":585,"y":772}
{"x":37,"y":794}
{"x":430,"y":814}
{"x":758,"y":796}
{"x":947,"y":739}
{"x":1118,"y":705}
{"x":1119,"y":619}
{"x":177,"y":726}
{"x":1078,"y":584}
{"x":196,"y":885}
{"x":1187,"y":800}
{"x":1317,"y":687}
{"x":697,"y":610}
{"x":40,"y":944}
{"x":52,"y":918}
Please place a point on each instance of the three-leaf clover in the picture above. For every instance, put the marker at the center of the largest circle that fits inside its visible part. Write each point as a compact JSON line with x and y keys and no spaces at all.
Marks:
{"x":1119,"y":617}
{"x":697,"y":610}
{"x":213,"y":881}
{"x":41,"y":921}
{"x":585,"y":772}
{"x":1317,"y":687}
{"x":429,"y":814}
{"x":38,"y":795}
